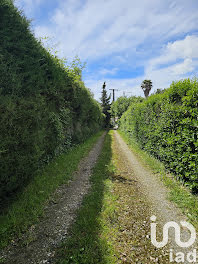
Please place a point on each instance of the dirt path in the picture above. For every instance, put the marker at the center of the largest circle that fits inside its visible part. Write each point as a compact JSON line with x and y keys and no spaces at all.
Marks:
{"x":38,"y":244}
{"x":141,"y":195}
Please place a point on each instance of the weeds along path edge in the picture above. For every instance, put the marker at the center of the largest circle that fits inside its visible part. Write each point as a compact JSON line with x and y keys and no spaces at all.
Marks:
{"x":90,"y":236}
{"x":177,"y":192}
{"x":37,"y":197}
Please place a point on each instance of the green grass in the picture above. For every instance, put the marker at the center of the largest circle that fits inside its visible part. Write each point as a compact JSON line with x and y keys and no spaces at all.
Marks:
{"x":29,"y":204}
{"x":178,"y":193}
{"x":89,"y":240}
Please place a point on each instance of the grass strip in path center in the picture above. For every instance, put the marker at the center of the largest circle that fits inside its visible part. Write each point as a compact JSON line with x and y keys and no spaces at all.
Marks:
{"x":114,"y":220}
{"x":88,"y":242}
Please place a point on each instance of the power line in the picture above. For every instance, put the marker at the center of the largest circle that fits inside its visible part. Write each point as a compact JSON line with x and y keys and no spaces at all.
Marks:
{"x":114,"y":93}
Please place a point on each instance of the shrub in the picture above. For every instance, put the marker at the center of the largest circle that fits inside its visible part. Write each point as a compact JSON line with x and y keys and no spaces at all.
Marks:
{"x":166,"y":125}
{"x":44,"y":105}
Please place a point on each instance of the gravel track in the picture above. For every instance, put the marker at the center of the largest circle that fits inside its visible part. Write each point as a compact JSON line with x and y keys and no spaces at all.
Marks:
{"x":58,"y":217}
{"x":155,"y":195}
{"x":141,"y":195}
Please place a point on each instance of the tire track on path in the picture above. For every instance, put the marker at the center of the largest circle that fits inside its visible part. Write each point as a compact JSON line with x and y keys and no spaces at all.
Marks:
{"x":58,"y":216}
{"x":151,"y":197}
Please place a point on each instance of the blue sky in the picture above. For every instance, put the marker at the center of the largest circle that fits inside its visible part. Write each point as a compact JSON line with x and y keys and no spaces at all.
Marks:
{"x":122,"y":42}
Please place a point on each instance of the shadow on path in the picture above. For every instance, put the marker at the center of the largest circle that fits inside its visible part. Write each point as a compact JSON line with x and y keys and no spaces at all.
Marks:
{"x":84,"y":245}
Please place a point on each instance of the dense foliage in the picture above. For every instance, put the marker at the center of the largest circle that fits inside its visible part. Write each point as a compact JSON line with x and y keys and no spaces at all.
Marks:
{"x":166,"y":125}
{"x":122,"y":103}
{"x":44,"y":106}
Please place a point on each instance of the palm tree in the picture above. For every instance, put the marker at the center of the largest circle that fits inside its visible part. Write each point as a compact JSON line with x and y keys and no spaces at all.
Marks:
{"x":146,"y":87}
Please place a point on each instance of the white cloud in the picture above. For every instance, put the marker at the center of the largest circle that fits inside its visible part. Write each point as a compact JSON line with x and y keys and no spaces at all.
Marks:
{"x":95,"y":29}
{"x":127,"y":33}
{"x":29,"y":6}
{"x":186,"y":51}
{"x":182,"y":68}
{"x":108,"y":71}
{"x":186,"y":48}
{"x":43,"y":32}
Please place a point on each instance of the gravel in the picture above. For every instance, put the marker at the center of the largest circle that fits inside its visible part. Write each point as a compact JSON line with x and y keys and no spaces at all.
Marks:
{"x":59,"y":214}
{"x":156,"y":195}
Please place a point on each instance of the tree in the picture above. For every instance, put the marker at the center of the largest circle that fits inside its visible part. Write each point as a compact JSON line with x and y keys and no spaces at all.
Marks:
{"x":122,"y":103}
{"x":160,"y":91}
{"x":146,"y":87}
{"x":105,"y":103}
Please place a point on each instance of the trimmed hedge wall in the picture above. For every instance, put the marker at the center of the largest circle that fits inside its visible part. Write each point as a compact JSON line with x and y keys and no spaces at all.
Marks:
{"x":44,"y":106}
{"x":166,"y":125}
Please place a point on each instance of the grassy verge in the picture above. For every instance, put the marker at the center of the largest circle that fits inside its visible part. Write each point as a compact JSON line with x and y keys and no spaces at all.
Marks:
{"x":29,"y":205}
{"x":178,"y":193}
{"x":89,"y":240}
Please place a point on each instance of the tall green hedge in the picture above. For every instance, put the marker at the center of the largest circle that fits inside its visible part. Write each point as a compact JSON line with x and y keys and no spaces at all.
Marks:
{"x":166,"y":125}
{"x":122,"y":103}
{"x":44,"y":106}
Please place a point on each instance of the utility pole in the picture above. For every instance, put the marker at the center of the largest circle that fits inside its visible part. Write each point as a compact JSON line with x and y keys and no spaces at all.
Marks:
{"x":114,"y":93}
